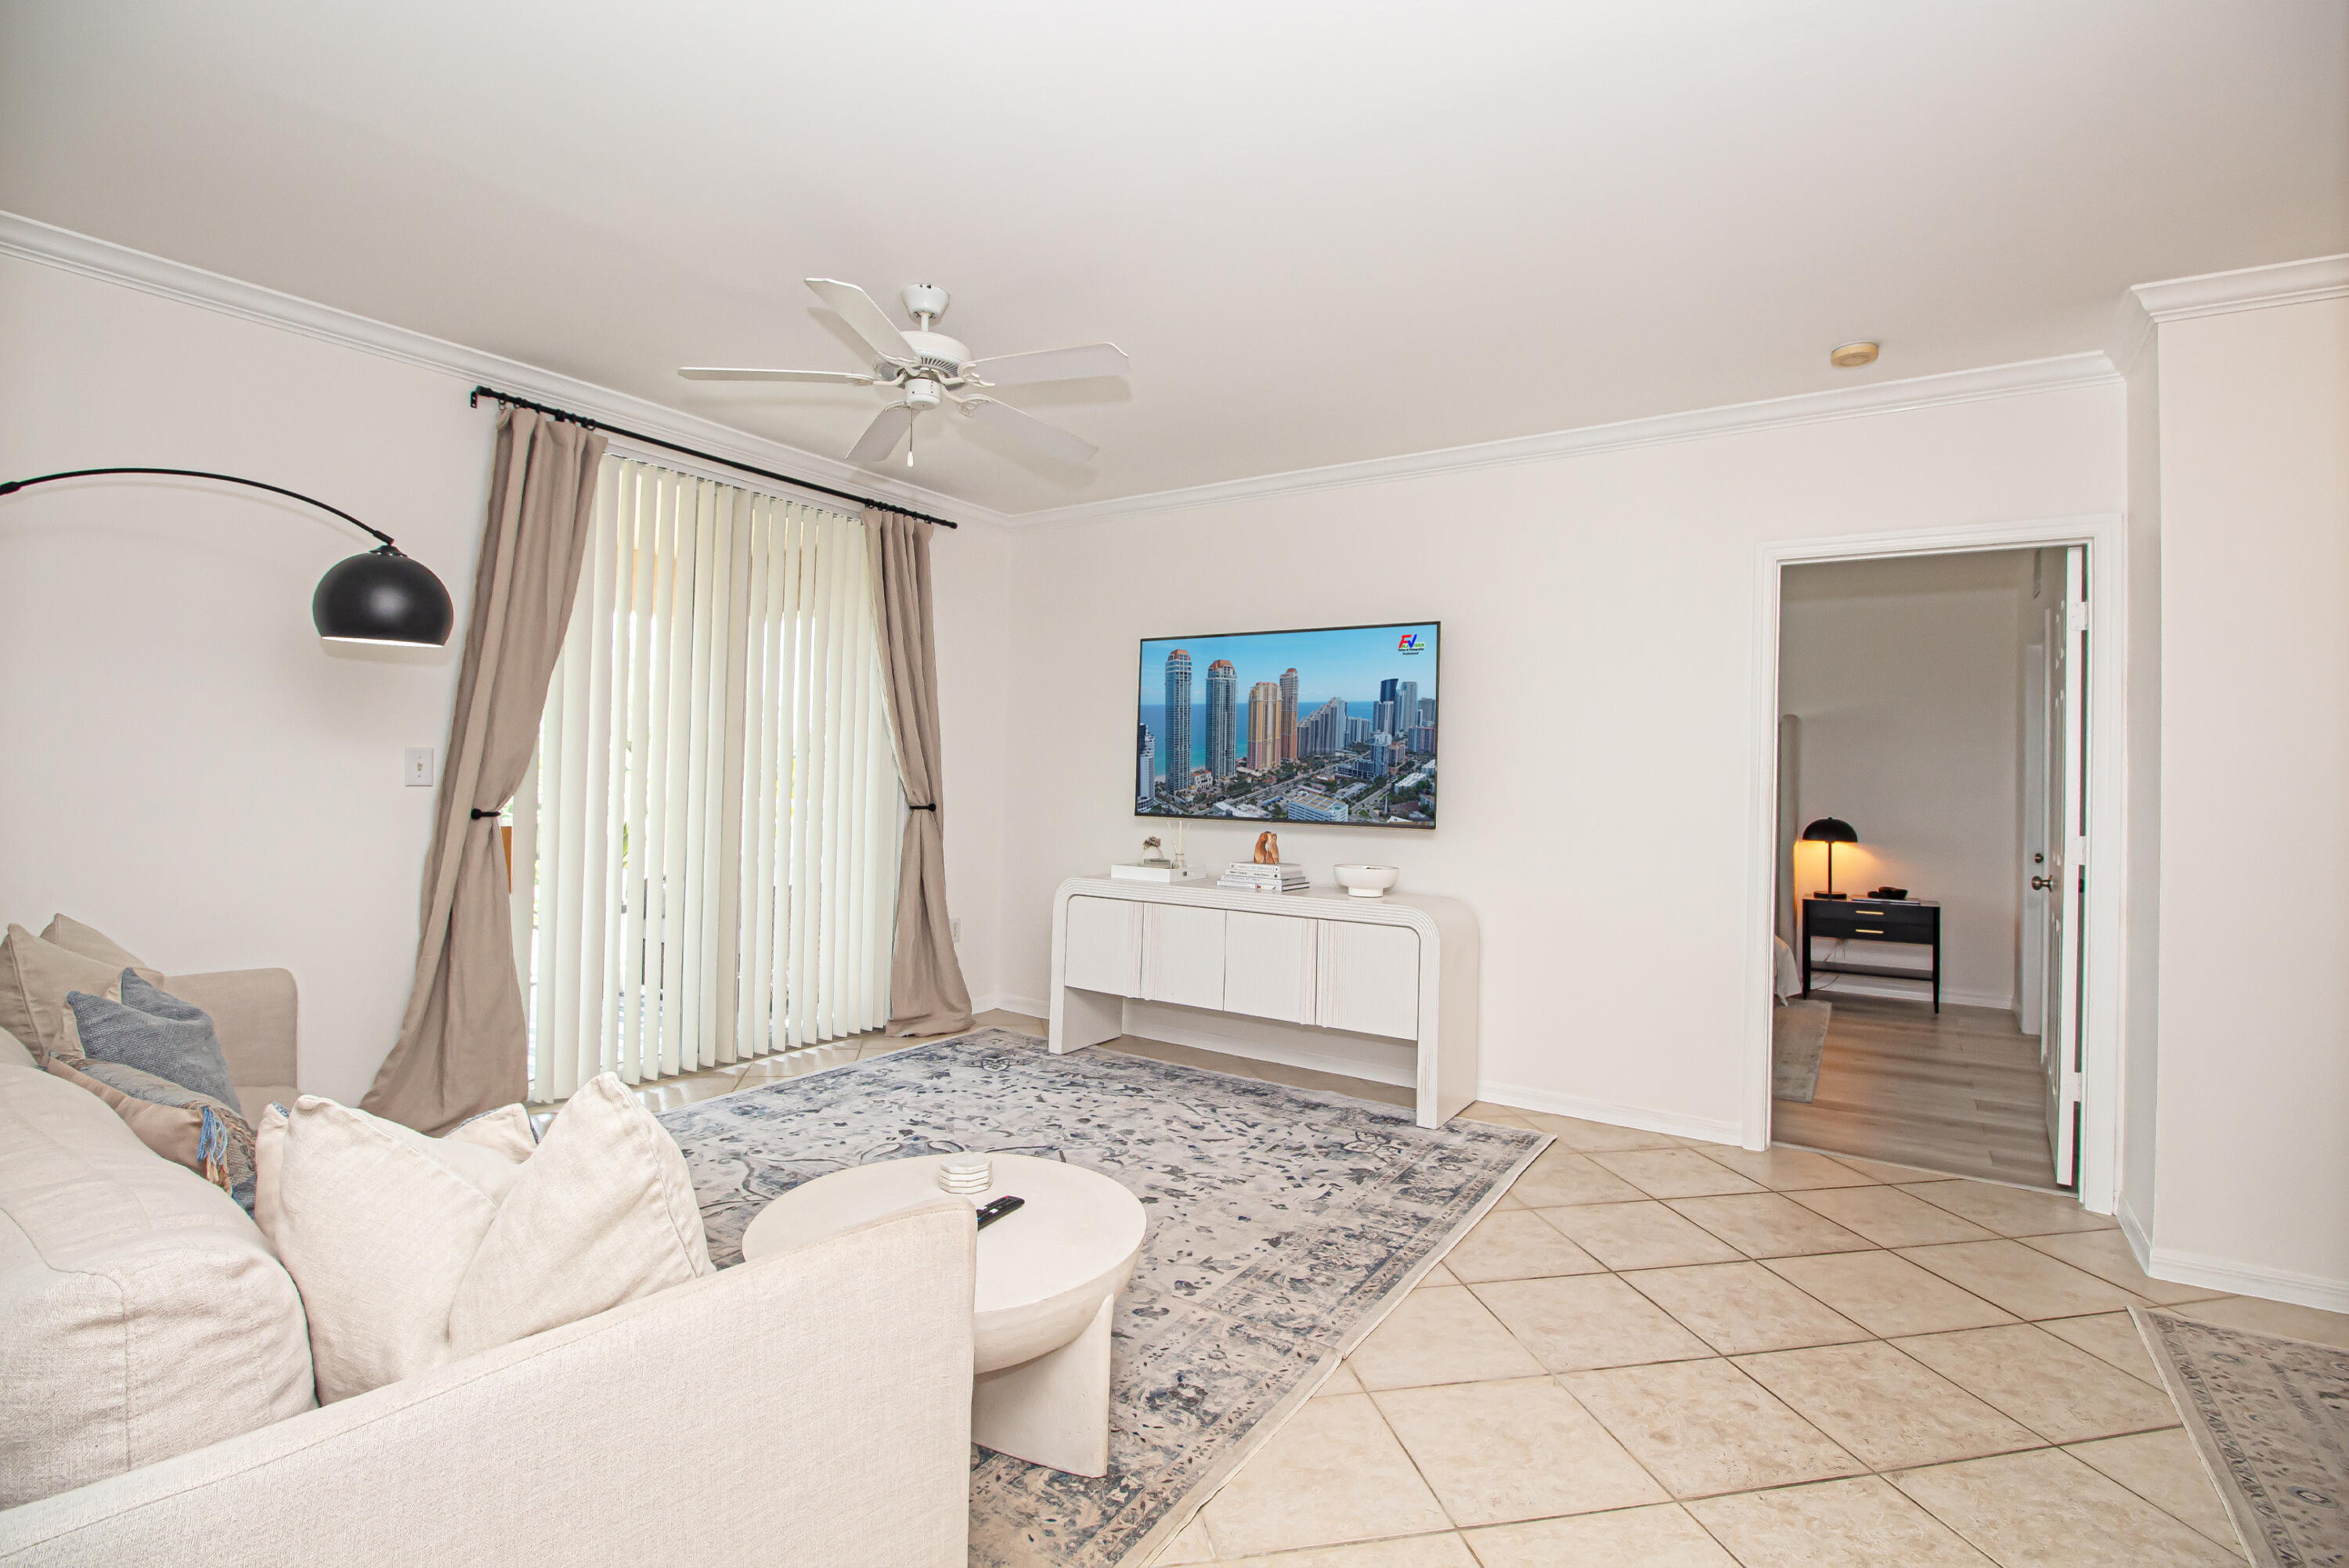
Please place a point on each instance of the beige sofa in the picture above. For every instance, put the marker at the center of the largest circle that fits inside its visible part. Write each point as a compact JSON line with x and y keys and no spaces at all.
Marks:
{"x":812,"y":1409}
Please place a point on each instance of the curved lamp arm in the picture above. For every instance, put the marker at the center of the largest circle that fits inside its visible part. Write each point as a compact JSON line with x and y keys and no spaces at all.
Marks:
{"x":383,"y":596}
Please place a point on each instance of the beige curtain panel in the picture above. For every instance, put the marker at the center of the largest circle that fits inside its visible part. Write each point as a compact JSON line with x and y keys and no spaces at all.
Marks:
{"x":463,"y":1045}
{"x":926,"y":993}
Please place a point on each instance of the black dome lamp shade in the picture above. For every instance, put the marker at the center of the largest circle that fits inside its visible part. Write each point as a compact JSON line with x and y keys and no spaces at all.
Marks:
{"x":1830,"y":831}
{"x":379,"y":596}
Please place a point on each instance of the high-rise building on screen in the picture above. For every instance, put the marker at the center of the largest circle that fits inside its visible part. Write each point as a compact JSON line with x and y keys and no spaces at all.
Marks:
{"x":1383,"y":715}
{"x":1427,"y":711}
{"x":1406,"y":713}
{"x":1223,"y":694}
{"x":1145,"y":767}
{"x":1264,"y":726}
{"x":1357,"y":730}
{"x":1289,"y":713}
{"x":1324,"y":730}
{"x":1179,"y":719}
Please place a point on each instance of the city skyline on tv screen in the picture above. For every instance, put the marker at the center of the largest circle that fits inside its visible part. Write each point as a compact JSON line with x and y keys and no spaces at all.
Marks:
{"x":1333,"y":726}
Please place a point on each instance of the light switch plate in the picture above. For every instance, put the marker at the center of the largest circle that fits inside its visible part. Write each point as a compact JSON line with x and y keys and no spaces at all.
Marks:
{"x":416,"y":768}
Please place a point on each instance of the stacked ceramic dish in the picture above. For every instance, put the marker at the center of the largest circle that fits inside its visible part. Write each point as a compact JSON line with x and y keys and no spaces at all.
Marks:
{"x":965,"y":1178}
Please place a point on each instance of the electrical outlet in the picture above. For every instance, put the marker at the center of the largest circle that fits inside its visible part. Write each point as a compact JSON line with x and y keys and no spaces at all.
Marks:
{"x":416,"y":768}
{"x":954,"y":929}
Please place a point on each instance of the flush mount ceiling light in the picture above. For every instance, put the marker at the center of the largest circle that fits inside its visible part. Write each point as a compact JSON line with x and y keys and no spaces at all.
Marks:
{"x":1852,"y":355}
{"x":381,"y":596}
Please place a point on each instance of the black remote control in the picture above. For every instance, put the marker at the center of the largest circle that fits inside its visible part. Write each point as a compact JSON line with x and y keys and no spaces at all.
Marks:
{"x":997,"y":1209}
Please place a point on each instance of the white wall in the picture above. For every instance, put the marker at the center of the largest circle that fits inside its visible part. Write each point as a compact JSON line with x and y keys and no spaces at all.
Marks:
{"x":1598,"y":670}
{"x":1907,"y":675}
{"x":2252,"y":1166}
{"x":185,"y":766}
{"x":2141,"y":1002}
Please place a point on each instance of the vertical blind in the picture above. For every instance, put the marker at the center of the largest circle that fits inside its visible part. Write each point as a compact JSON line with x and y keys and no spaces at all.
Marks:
{"x":714,"y":813}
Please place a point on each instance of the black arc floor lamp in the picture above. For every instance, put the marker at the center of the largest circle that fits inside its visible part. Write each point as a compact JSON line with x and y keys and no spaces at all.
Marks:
{"x":1830,"y":831}
{"x":380,"y":596}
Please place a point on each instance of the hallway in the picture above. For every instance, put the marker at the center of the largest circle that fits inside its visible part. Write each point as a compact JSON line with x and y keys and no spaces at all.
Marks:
{"x":1961,"y":1091}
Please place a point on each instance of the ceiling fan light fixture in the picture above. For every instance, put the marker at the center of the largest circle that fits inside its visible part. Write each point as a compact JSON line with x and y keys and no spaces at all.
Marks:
{"x":1852,"y":355}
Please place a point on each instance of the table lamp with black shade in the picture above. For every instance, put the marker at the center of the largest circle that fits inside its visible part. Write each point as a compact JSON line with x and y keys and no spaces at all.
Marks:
{"x":1830,"y":831}
{"x":382,"y":595}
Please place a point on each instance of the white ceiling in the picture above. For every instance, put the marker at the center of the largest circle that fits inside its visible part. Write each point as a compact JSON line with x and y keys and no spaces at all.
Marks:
{"x":1324,"y":232}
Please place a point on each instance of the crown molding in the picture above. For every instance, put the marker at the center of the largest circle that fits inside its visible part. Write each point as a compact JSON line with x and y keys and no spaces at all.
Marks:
{"x":2021,"y":379}
{"x":34,"y":240}
{"x":2246,"y":288}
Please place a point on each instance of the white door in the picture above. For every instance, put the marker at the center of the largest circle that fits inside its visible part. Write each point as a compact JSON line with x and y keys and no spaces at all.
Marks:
{"x":1268,"y":961}
{"x":1103,"y":946}
{"x":1368,"y":979}
{"x":1183,"y":956}
{"x":2060,"y":1038}
{"x":2031,"y":992}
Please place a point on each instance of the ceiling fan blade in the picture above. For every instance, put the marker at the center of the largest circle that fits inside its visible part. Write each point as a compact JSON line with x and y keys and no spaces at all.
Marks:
{"x":864,"y":318}
{"x":1047,"y":438}
{"x":882,"y":436}
{"x":730,"y":373}
{"x":1052,"y":365}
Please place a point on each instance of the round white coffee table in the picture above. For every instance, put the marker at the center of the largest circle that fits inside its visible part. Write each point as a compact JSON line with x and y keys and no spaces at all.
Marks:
{"x":1049,"y":1274}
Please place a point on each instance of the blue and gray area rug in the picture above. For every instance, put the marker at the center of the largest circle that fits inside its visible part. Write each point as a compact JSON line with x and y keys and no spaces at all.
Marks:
{"x":1283,"y":1224}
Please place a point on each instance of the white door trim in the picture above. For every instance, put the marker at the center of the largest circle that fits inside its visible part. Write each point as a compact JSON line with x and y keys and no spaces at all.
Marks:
{"x":2104,"y":535}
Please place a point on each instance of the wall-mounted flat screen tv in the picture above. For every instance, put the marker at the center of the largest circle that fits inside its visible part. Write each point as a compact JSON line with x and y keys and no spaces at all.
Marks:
{"x":1337,"y":725}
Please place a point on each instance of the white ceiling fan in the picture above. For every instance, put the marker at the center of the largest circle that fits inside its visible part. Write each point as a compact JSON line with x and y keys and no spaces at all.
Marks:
{"x":930,"y":368}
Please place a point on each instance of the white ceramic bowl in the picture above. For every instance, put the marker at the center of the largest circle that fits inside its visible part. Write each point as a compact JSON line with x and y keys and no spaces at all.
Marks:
{"x":1367,"y":881}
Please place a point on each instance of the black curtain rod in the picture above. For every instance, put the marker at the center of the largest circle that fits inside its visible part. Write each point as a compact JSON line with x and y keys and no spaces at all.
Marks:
{"x":474,"y":400}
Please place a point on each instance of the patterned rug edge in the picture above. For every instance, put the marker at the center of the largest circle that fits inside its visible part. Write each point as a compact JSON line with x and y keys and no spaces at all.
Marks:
{"x":2206,"y":1442}
{"x":1203,"y":1492}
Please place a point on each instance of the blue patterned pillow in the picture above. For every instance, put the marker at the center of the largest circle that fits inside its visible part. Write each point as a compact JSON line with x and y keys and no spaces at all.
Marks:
{"x":155,"y":1032}
{"x":225,"y":1144}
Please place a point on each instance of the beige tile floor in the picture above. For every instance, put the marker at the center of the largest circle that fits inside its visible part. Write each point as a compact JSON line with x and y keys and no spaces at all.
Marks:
{"x":1657,"y":1353}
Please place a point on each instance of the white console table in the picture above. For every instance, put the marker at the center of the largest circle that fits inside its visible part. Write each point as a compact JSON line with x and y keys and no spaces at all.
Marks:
{"x":1402,"y":966}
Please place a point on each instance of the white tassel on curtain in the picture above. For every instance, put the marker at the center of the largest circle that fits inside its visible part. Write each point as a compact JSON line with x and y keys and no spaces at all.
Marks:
{"x":713,"y":815}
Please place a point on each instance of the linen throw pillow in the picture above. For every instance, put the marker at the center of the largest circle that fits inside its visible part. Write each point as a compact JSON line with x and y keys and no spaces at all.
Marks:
{"x":411,"y":1251}
{"x":34,"y":976}
{"x":64,"y":931}
{"x":182,"y":1126}
{"x":155,"y":1032}
{"x":604,"y":1213}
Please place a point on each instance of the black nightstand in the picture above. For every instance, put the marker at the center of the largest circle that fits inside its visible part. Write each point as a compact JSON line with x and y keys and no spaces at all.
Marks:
{"x":1915,"y":921}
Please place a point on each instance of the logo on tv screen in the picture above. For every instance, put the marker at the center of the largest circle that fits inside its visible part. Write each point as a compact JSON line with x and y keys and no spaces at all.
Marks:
{"x":1409,"y":643}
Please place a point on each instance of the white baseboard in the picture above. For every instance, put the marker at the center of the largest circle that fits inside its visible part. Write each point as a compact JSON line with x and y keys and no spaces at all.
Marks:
{"x":1704,"y":1126}
{"x":2274,"y":1284}
{"x":1906,"y":991}
{"x":2135,"y":1232}
{"x":996,"y":1002}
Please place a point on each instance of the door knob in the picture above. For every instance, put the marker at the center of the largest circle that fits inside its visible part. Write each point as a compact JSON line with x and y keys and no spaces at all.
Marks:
{"x":2041,"y":883}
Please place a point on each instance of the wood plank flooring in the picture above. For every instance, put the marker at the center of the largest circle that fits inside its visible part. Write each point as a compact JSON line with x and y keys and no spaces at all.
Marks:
{"x":1960,"y":1092}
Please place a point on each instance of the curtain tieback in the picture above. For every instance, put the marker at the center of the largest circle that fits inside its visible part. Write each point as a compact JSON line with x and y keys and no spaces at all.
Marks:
{"x":479,"y":813}
{"x":931,"y":807}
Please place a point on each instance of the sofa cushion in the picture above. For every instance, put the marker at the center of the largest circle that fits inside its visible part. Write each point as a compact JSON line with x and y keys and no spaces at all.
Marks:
{"x":154,"y":1031}
{"x":64,"y":931}
{"x":171,"y":1120}
{"x":602,"y":1212}
{"x":413,"y":1251}
{"x":377,"y":1223}
{"x":143,"y":1314}
{"x":34,"y":976}
{"x":13,"y":1051}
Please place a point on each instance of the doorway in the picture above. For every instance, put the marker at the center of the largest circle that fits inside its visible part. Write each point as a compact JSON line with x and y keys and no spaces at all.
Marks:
{"x":1929,"y":893}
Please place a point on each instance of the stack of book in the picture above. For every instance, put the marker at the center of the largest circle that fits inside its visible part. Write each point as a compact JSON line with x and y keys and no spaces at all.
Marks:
{"x":1282,"y":877}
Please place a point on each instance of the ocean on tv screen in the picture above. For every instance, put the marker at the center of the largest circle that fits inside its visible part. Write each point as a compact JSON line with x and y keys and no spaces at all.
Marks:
{"x":1332,"y":726}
